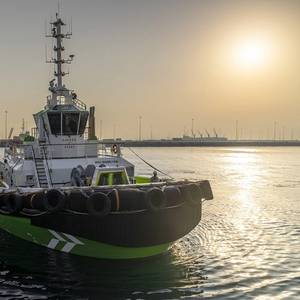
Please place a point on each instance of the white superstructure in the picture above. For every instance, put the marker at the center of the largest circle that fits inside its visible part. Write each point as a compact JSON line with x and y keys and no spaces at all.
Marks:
{"x":59,"y":144}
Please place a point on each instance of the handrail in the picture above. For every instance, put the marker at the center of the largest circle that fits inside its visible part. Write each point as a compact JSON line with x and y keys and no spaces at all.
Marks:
{"x":79,"y":144}
{"x":80,"y":104}
{"x":48,"y":170}
{"x":34,"y":158}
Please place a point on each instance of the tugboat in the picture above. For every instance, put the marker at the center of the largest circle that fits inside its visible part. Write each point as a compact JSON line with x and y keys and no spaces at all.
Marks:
{"x":69,"y":192}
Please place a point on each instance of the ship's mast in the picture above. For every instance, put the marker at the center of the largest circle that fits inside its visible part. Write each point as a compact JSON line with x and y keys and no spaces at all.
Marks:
{"x":58,"y":90}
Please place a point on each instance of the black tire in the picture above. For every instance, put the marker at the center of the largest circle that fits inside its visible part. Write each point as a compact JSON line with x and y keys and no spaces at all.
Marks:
{"x":2,"y":198}
{"x":36,"y":201}
{"x":196,"y":194}
{"x":55,"y":201}
{"x":128,"y":199}
{"x":185,"y":193}
{"x":206,"y":188}
{"x":155,"y":199}
{"x":76,"y":201}
{"x":13,"y":203}
{"x":98,"y":205}
{"x":173,"y":196}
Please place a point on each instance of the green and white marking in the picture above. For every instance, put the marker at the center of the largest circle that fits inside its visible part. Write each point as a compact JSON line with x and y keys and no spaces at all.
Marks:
{"x":22,"y":228}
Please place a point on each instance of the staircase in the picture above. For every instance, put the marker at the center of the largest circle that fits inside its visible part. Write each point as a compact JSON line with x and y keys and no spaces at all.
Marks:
{"x":40,"y":161}
{"x":41,"y":173}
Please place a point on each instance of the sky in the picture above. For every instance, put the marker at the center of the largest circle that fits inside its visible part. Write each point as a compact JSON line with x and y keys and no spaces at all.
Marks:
{"x":168,"y":61}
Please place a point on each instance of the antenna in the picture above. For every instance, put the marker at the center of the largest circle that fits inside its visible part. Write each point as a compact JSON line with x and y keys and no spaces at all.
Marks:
{"x":58,"y":8}
{"x":140,"y":128}
{"x":23,"y":126}
{"x":236,"y":129}
{"x":100,"y":133}
{"x":275,"y":127}
{"x":192,"y":129}
{"x":45,"y":27}
{"x":57,"y":58}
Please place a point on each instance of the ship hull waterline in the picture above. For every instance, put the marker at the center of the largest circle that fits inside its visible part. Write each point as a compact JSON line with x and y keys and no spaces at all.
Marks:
{"x":58,"y":241}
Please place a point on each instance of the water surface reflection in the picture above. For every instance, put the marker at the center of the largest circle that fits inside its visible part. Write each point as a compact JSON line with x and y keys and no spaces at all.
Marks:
{"x":246,"y":246}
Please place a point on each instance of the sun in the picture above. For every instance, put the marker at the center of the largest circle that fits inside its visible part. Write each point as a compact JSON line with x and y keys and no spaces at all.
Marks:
{"x":251,"y":53}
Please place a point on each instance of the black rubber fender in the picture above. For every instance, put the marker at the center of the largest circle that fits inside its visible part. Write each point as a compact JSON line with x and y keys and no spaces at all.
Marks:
{"x":2,"y":198}
{"x":155,"y":199}
{"x":55,"y":200}
{"x":35,"y":201}
{"x":128,"y":199}
{"x":13,"y":203}
{"x":98,"y":204}
{"x":173,"y":196}
{"x":196,"y":193}
{"x":76,"y":201}
{"x":206,"y":189}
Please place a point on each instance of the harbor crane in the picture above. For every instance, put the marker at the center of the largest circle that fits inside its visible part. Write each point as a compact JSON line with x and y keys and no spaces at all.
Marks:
{"x":200,"y":134}
{"x":10,"y":133}
{"x":216,"y":134}
{"x":208,"y":135}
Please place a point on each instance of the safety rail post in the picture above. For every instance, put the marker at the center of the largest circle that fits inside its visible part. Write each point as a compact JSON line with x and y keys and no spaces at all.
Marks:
{"x":35,"y":169}
{"x":48,"y":170}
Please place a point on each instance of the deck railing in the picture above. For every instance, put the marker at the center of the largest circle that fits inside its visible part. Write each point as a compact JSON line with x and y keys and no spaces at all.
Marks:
{"x":68,"y":150}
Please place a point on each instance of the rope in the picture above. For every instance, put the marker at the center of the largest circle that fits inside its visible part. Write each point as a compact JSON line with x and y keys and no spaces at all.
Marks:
{"x":151,"y":166}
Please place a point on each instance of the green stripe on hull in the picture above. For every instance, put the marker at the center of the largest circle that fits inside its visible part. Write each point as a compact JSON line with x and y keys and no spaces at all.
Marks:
{"x":22,"y":228}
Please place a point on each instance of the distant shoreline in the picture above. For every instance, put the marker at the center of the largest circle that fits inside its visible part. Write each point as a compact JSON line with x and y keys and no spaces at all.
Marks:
{"x":191,"y":143}
{"x":227,"y":143}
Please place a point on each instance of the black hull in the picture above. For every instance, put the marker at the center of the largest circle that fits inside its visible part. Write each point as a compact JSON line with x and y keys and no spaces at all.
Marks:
{"x":132,"y":229}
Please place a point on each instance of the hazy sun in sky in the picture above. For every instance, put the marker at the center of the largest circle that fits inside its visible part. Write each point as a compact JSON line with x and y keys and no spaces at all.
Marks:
{"x":251,"y":53}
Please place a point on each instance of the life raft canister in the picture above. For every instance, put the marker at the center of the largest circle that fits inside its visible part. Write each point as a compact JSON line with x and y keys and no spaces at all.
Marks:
{"x":98,"y":204}
{"x":55,"y":200}
{"x":155,"y":199}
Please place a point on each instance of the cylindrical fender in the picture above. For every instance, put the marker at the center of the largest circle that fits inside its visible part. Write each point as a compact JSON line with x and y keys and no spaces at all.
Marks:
{"x":196,"y":194}
{"x":2,"y":198}
{"x":155,"y":199}
{"x":35,"y":201}
{"x":98,"y":204}
{"x":13,"y":203}
{"x":173,"y":195}
{"x":206,"y":189}
{"x":55,"y":200}
{"x":127,"y":199}
{"x":76,"y":201}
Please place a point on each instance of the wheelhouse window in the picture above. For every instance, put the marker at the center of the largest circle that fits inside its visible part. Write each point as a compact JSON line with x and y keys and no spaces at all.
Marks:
{"x":55,"y":122}
{"x":83,"y":120}
{"x":67,"y":123}
{"x":70,"y":123}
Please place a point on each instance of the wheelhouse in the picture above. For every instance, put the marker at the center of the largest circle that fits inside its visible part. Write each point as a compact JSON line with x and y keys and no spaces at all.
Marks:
{"x":67,"y":122}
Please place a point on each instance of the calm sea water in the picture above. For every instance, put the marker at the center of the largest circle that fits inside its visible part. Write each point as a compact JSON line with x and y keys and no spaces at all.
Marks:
{"x":247,"y":245}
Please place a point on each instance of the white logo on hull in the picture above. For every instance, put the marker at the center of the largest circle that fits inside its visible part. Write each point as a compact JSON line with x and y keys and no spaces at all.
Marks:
{"x":58,"y":238}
